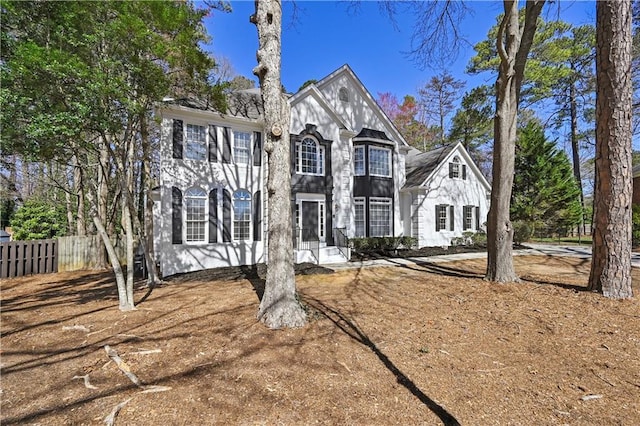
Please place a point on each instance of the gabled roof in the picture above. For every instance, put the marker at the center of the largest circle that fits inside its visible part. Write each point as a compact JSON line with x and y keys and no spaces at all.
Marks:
{"x":240,"y":103}
{"x":357,"y":84}
{"x":312,"y":90}
{"x":636,"y":171}
{"x":420,"y":166}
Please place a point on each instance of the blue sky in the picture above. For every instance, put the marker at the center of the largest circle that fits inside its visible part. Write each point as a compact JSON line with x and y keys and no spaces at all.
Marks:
{"x":327,"y":34}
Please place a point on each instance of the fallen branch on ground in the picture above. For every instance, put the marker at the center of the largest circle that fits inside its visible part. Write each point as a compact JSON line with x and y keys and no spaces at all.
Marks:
{"x":87,"y":384}
{"x":122,"y":365}
{"x":146,"y":352}
{"x":76,"y":327}
{"x":111,"y":418}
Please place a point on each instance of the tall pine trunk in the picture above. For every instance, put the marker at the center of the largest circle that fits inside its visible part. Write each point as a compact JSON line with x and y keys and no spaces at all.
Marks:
{"x":611,"y":263}
{"x":513,"y":45}
{"x":279,"y":306}
{"x":146,"y":231}
{"x":575,"y":150}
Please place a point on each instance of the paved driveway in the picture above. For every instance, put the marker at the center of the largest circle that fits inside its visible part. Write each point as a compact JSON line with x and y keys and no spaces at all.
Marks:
{"x":566,"y":250}
{"x":583,"y":252}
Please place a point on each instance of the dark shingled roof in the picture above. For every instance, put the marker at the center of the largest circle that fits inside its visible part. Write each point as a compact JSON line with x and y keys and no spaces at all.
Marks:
{"x":419,"y":165}
{"x":242,"y":103}
{"x":372,"y":134}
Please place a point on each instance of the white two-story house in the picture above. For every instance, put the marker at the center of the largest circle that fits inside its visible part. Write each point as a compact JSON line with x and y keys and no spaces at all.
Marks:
{"x":348,"y":179}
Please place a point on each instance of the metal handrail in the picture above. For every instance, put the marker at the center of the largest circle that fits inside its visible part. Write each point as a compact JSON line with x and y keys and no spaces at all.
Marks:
{"x":307,"y":239}
{"x":341,"y":241}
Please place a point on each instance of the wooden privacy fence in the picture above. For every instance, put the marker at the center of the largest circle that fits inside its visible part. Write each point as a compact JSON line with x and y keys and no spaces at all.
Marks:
{"x":18,"y":258}
{"x":78,"y":253}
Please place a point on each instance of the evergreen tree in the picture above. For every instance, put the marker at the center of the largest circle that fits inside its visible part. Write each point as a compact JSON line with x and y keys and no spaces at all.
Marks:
{"x":38,"y":220}
{"x":545,"y":193}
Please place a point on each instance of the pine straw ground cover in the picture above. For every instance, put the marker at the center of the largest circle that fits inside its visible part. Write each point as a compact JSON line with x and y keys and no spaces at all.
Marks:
{"x":429,"y":344}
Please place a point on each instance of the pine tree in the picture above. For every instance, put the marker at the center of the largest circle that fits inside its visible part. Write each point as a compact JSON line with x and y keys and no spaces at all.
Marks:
{"x":545,"y":192}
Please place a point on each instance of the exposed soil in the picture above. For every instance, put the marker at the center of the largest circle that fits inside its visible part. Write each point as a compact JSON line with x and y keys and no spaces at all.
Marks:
{"x":425,"y":344}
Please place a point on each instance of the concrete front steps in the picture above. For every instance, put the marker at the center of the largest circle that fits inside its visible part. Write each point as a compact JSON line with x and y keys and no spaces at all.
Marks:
{"x":328,"y":255}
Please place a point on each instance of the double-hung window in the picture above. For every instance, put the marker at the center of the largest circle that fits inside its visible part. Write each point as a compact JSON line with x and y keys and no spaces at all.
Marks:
{"x":241,"y":215}
{"x":195,"y":215}
{"x":379,"y":161}
{"x":380,"y":217}
{"x":309,"y":157}
{"x":358,"y":161}
{"x":467,"y":212}
{"x":444,"y":217}
{"x":457,"y":170}
{"x":360,"y":219}
{"x":196,"y":143}
{"x":241,"y":147}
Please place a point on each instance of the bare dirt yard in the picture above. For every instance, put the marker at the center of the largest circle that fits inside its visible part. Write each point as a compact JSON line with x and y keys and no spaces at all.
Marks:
{"x":426,"y":344}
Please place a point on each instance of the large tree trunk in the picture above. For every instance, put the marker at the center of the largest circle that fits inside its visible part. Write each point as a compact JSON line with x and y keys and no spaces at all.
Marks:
{"x":78,"y":183}
{"x":125,"y":303}
{"x":513,"y":45}
{"x":611,"y":263}
{"x":147,"y":186}
{"x":279,"y":306}
{"x":103,"y":195}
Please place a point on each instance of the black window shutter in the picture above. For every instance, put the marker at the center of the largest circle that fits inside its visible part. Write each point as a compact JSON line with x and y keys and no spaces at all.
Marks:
{"x":477,"y":217}
{"x":450,"y":170}
{"x":213,"y":143}
{"x":226,"y":216}
{"x":176,"y":216}
{"x":213,"y":216}
{"x":464,"y":217}
{"x":451,"y":219}
{"x":226,"y":145}
{"x":177,"y":138}
{"x":257,"y":218}
{"x":464,"y":171}
{"x":437,"y":218}
{"x":257,"y":148}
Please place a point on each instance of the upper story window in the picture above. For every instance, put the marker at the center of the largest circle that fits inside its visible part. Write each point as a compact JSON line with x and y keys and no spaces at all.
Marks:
{"x":195,"y":201}
{"x":309,"y":157}
{"x":343,"y":94}
{"x":241,"y":215}
{"x":379,"y":161}
{"x":241,"y":147}
{"x":195,"y":143}
{"x":358,"y":161}
{"x":457,"y":170}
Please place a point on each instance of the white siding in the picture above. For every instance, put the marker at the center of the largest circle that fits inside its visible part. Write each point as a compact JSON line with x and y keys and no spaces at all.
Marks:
{"x":457,"y":192}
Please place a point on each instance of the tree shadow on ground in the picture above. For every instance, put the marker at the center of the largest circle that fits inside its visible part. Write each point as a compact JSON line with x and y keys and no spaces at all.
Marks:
{"x":352,"y":330}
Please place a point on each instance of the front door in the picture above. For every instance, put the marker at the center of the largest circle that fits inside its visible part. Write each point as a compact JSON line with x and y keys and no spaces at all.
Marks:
{"x":309,"y":218}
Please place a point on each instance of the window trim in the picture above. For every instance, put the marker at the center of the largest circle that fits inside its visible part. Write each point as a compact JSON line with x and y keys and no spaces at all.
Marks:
{"x":360,"y":201}
{"x":189,"y":196}
{"x":319,"y":156}
{"x":386,"y":202}
{"x":363,"y":171}
{"x":191,"y":143}
{"x":235,"y":148}
{"x":449,"y":217}
{"x":454,"y":168}
{"x":467,"y":218}
{"x":235,"y":221}
{"x":389,"y":160}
